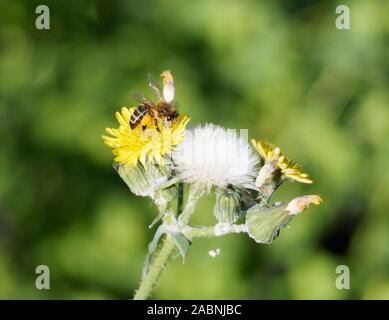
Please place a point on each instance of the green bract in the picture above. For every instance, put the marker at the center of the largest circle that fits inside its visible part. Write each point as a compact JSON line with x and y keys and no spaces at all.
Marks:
{"x":264,"y":223}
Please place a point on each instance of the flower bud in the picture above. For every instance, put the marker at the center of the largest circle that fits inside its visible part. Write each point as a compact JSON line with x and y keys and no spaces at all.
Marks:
{"x":227,"y":206}
{"x":264,"y":223}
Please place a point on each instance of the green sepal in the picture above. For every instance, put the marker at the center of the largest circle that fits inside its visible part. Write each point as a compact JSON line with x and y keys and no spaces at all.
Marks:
{"x":146,"y":180}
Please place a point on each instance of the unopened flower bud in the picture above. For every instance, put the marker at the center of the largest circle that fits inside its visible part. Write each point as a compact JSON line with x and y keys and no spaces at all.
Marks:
{"x":227,"y":206}
{"x":264,"y":223}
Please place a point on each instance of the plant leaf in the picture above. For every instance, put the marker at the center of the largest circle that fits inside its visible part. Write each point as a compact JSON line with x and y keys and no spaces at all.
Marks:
{"x":152,"y":246}
{"x":181,"y":243}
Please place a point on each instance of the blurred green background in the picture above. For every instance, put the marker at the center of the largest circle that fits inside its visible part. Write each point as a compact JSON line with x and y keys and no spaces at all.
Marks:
{"x":279,"y":68}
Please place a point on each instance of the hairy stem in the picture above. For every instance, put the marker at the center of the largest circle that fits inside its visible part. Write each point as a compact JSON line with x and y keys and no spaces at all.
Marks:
{"x":217,"y":230}
{"x":161,"y":257}
{"x":157,"y":264}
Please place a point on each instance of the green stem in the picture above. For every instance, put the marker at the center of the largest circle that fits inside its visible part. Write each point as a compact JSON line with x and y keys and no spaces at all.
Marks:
{"x":217,"y":230}
{"x":195,"y":193}
{"x":180,"y":199}
{"x":155,"y":269}
{"x":162,"y":256}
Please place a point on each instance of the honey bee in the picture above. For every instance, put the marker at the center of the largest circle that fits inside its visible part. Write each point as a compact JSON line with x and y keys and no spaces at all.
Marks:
{"x":163,"y":111}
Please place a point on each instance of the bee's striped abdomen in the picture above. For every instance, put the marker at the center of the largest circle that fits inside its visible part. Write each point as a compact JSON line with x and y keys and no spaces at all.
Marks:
{"x":138,"y":115}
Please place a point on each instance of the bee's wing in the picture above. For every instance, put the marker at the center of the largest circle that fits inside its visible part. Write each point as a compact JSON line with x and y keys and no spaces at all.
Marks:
{"x":140,"y":97}
{"x":153,"y":83}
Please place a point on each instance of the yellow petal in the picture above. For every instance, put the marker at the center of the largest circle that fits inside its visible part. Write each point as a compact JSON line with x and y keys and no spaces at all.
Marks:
{"x":133,"y":145}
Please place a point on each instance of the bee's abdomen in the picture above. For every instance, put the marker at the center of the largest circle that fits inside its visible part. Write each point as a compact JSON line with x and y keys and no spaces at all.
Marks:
{"x":138,"y":115}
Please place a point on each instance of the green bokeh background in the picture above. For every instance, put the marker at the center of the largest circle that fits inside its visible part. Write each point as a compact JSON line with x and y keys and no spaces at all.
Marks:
{"x":279,"y":68}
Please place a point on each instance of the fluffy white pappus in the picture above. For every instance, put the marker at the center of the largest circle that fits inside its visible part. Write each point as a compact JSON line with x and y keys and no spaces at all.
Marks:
{"x":214,"y":156}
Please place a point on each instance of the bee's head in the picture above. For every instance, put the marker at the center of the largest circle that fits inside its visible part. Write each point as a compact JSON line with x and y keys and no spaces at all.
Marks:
{"x":172,"y":115}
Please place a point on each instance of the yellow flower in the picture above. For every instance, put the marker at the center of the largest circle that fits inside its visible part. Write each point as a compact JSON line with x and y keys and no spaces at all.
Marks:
{"x":289,"y":169}
{"x":144,"y":142}
{"x":301,"y":203}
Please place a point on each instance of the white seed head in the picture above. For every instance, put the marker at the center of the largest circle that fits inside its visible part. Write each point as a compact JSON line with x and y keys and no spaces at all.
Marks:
{"x":214,"y":156}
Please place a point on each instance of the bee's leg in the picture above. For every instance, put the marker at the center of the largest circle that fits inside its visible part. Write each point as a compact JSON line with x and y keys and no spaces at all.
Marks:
{"x":157,"y":125}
